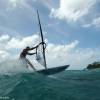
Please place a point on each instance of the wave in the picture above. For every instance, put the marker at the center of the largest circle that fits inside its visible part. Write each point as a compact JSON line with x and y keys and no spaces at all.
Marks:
{"x":68,"y":85}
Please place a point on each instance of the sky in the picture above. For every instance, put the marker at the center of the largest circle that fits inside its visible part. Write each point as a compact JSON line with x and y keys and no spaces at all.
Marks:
{"x":71,"y":30}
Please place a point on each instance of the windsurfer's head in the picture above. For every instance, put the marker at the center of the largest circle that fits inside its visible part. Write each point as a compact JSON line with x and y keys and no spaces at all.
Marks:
{"x":28,"y":48}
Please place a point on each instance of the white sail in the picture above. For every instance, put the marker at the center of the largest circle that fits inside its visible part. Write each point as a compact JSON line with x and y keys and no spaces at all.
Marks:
{"x":39,"y":55}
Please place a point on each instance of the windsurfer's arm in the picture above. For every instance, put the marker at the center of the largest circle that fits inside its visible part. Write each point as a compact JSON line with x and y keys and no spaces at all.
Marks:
{"x":42,"y":43}
{"x":31,"y":53}
{"x":34,"y":47}
{"x":38,"y":45}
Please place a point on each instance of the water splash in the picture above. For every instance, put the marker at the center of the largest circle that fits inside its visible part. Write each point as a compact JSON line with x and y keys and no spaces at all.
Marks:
{"x":13,"y":66}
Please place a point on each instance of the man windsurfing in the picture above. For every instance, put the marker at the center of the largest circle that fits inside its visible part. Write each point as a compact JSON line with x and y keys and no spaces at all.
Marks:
{"x":25,"y":52}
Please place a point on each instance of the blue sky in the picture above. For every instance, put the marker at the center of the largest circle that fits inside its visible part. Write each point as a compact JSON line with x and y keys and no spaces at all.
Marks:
{"x":64,"y":23}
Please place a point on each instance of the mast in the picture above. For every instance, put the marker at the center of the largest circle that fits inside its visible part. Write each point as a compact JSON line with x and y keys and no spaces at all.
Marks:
{"x":41,"y":33}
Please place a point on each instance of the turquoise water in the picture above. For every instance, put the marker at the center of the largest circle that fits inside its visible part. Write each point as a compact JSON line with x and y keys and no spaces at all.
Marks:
{"x":68,"y":85}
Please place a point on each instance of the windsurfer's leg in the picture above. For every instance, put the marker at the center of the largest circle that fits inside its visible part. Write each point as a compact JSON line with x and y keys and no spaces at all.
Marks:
{"x":24,"y":61}
{"x":30,"y":64}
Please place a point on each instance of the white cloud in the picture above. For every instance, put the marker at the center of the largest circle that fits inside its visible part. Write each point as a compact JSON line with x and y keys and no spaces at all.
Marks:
{"x":48,"y":3}
{"x":6,"y":42}
{"x":13,"y":2}
{"x":4,"y":38}
{"x":16,"y":43}
{"x":95,"y":22}
{"x":58,"y":55}
{"x":73,"y":10}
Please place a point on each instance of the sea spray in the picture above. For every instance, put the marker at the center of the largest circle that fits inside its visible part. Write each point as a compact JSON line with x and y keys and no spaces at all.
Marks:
{"x":13,"y":66}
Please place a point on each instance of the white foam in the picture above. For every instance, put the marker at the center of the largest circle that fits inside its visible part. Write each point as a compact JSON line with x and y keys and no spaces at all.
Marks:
{"x":13,"y":66}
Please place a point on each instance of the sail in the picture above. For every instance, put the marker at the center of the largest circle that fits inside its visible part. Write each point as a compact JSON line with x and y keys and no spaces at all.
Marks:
{"x":39,"y":53}
{"x":41,"y":49}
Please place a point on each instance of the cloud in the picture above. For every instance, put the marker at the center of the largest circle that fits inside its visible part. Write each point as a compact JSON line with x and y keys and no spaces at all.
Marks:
{"x":4,"y":38}
{"x":73,"y":10}
{"x":48,"y":3}
{"x":58,"y":55}
{"x":78,"y":58}
{"x":95,"y":22}
{"x":7,"y":42}
{"x":13,"y":2}
{"x":22,"y":43}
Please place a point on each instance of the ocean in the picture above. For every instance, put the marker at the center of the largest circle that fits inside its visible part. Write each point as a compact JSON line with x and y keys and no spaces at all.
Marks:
{"x":67,"y":85}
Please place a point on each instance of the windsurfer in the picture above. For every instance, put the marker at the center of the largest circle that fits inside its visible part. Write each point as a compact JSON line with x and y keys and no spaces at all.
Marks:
{"x":25,"y":52}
